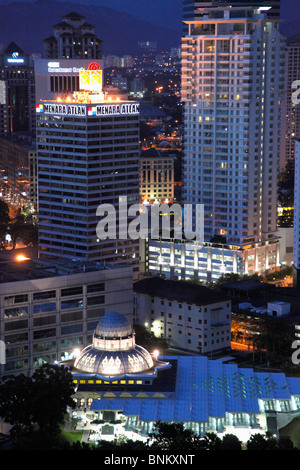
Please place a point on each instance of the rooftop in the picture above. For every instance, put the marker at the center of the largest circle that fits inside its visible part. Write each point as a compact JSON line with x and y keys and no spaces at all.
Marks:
{"x":28,"y":269}
{"x":204,"y":388}
{"x":182,"y":291}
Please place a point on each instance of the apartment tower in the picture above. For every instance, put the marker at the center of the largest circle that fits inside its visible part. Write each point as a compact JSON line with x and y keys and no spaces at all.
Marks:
{"x":232,"y":84}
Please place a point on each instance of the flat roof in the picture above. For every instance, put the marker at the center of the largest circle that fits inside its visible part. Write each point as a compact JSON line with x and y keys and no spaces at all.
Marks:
{"x":182,"y":291}
{"x":36,"y":268}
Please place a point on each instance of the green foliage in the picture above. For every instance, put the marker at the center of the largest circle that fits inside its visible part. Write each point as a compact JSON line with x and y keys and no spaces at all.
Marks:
{"x":4,"y":221}
{"x":38,"y":402}
{"x":148,"y":340}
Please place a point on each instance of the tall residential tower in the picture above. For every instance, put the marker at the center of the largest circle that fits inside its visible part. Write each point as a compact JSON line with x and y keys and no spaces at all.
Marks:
{"x":233,"y":58}
{"x":232,"y":84}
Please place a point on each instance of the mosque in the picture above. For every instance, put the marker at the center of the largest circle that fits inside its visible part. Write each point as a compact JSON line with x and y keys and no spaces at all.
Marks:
{"x":123,"y":389}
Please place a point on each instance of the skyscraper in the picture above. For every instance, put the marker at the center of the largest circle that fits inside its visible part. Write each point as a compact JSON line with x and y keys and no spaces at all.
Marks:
{"x":88,"y":150}
{"x":290,"y":111}
{"x":232,"y":84}
{"x":192,"y":8}
{"x":296,"y":231}
{"x":17,"y":91}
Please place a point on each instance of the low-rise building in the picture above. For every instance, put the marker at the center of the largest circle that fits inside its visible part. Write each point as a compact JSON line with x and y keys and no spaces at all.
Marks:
{"x":51,"y":307}
{"x":192,"y":317}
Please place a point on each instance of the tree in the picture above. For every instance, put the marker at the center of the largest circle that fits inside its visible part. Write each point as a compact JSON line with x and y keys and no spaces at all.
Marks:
{"x":17,"y":228}
{"x":231,"y":442}
{"x":15,"y":402}
{"x":148,"y":340}
{"x":37,"y":402}
{"x":4,"y":221}
{"x":52,"y":393}
{"x":173,"y":437}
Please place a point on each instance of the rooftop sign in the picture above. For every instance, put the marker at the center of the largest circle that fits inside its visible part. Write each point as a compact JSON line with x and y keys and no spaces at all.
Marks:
{"x":64,"y":109}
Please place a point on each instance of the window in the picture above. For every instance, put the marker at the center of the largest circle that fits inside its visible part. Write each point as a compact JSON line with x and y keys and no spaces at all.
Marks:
{"x":95,"y":287}
{"x":72,"y":303}
{"x":46,"y":307}
{"x":99,"y":299}
{"x":16,"y":312}
{"x":44,"y":295}
{"x":71,"y":291}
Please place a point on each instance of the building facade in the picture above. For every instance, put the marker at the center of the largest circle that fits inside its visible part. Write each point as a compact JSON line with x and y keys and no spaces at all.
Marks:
{"x":206,"y":262}
{"x":17,"y":95}
{"x":87,"y":157}
{"x":19,"y":169}
{"x":192,"y":317}
{"x":51,"y":308}
{"x":73,"y":38}
{"x":296,"y":228}
{"x":156,"y":177}
{"x":232,"y":84}
{"x":290,"y":111}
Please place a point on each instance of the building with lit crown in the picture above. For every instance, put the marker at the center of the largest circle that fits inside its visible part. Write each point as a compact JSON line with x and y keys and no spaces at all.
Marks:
{"x":88,"y":151}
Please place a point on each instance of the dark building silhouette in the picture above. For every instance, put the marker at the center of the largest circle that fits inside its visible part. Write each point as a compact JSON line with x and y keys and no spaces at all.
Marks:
{"x":17,"y":91}
{"x":73,"y":38}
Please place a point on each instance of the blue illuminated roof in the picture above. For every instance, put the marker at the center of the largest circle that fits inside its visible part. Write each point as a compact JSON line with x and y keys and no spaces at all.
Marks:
{"x":207,"y":388}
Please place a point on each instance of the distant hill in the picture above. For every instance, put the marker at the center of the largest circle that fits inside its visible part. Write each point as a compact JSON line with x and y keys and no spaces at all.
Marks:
{"x":28,"y":24}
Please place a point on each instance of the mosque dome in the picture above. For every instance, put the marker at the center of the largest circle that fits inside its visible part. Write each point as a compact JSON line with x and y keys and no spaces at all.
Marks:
{"x":113,"y":351}
{"x":113,"y":325}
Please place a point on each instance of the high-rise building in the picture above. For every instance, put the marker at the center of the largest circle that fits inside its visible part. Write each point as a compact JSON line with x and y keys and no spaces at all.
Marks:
{"x":192,"y":8}
{"x":232,"y":84}
{"x":18,"y":166}
{"x":296,"y":232}
{"x":73,"y":38}
{"x":88,"y":152}
{"x":17,"y":91}
{"x":290,"y":111}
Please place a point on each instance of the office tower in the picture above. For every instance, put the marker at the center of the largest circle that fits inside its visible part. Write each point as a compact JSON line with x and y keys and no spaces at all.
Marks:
{"x":18,"y":166}
{"x":88,"y":150}
{"x":296,"y":244}
{"x":290,"y":111}
{"x":17,"y":92}
{"x":232,"y":83}
{"x":73,"y":38}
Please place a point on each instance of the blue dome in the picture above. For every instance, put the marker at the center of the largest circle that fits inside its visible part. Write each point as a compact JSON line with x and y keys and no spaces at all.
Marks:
{"x":113,"y":325}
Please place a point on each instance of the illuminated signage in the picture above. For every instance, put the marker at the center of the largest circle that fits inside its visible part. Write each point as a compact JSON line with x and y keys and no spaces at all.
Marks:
{"x":90,"y":80}
{"x":64,"y":109}
{"x":15,"y":59}
{"x":61,"y":109}
{"x":113,"y":109}
{"x":56,"y":68}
